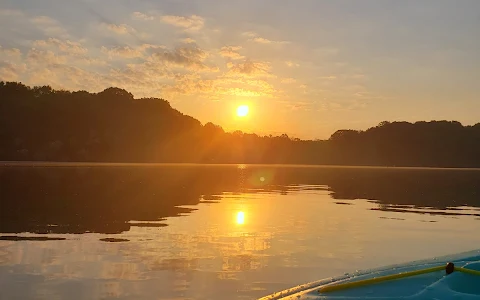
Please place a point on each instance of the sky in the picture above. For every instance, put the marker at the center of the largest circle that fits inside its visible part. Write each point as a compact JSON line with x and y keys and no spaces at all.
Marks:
{"x":304,"y":67}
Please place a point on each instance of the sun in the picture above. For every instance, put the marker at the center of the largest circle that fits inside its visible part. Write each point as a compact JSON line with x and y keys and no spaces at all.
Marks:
{"x":242,"y":111}
{"x":240,"y":218}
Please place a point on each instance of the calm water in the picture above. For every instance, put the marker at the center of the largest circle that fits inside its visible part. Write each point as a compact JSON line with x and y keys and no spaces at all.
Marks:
{"x":224,"y":232}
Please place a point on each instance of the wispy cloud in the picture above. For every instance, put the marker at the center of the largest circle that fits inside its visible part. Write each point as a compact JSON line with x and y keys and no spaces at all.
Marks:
{"x":188,"y":40}
{"x":216,"y":89}
{"x":11,"y":13}
{"x":130,"y":52}
{"x":261,"y":40}
{"x":10,"y":71}
{"x":44,"y":20}
{"x":49,"y":26}
{"x":231,"y":52}
{"x":62,"y":45}
{"x":142,"y":16}
{"x":192,"y":22}
{"x":249,"y":34}
{"x":292,"y":64}
{"x":10,"y":53}
{"x":124,"y":52}
{"x":119,"y":29}
{"x":250,"y":68}
{"x":188,"y":56}
{"x":44,"y":57}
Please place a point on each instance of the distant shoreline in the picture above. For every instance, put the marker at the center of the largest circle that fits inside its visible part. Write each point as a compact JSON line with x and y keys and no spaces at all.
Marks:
{"x":81,"y":129}
{"x":126,"y":164}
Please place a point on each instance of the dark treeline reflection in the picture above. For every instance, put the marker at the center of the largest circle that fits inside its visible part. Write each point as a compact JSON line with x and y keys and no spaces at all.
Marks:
{"x":105,"y":199}
{"x":43,"y":124}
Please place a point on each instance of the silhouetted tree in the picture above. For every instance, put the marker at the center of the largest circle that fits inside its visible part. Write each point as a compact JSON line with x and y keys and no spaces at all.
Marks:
{"x":42,"y":123}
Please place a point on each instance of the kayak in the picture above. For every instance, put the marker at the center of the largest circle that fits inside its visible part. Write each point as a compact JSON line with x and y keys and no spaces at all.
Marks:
{"x":450,"y":277}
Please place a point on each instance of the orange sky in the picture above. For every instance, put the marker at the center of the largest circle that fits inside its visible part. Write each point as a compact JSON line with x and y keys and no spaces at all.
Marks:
{"x":304,"y":68}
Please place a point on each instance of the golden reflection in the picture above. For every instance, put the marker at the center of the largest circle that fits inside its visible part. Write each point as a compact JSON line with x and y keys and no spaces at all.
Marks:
{"x":242,"y":166}
{"x":240,"y":218}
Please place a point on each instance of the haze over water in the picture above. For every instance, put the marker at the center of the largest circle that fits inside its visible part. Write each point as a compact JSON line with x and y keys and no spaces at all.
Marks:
{"x":220,"y":232}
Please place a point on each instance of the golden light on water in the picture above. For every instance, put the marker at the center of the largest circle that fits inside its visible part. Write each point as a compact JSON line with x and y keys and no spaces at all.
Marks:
{"x":242,"y":111}
{"x":240,"y":218}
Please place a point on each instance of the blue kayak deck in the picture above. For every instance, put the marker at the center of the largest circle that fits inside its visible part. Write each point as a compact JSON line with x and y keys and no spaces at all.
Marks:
{"x":435,"y":285}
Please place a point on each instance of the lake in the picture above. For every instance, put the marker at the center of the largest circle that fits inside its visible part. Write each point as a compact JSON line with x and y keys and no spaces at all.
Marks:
{"x":220,"y":232}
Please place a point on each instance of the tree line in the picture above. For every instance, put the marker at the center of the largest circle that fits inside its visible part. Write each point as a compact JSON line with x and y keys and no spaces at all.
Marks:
{"x":43,"y":124}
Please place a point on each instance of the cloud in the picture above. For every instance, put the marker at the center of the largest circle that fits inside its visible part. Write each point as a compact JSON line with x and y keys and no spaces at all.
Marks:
{"x":249,"y":34}
{"x":125,"y":52}
{"x":192,"y":22}
{"x":216,"y":89}
{"x":10,"y":71}
{"x":261,"y":40}
{"x":11,"y":13}
{"x":55,"y":51}
{"x":250,"y":83}
{"x":50,"y":62}
{"x":188,"y":40}
{"x":49,"y":26}
{"x":145,"y":79}
{"x":10,"y":53}
{"x":69,"y":77}
{"x":250,"y":68}
{"x":44,"y":67}
{"x":189,"y":56}
{"x":119,"y":29}
{"x":231,"y":52}
{"x":292,"y":64}
{"x":130,"y":52}
{"x":44,"y":57}
{"x":64,"y":46}
{"x":142,"y":16}
{"x":44,"y":20}
{"x":191,"y":84}
{"x":89,"y":61}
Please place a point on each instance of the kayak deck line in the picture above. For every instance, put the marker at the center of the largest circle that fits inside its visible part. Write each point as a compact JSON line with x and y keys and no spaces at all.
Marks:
{"x":449,"y":268}
{"x":468,"y":271}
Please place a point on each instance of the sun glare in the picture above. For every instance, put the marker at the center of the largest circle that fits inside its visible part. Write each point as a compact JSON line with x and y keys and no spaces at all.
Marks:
{"x":240,"y":218}
{"x":242,"y":111}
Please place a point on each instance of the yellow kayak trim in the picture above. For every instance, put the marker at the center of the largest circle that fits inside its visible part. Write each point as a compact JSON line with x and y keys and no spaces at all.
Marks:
{"x":468,"y":271}
{"x":360,"y":283}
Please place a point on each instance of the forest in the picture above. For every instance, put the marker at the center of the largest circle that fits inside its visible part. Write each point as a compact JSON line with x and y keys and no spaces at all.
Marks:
{"x":43,"y":124}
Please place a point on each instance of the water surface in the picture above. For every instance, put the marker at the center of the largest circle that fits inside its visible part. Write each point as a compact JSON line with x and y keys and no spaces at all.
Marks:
{"x":220,"y":232}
